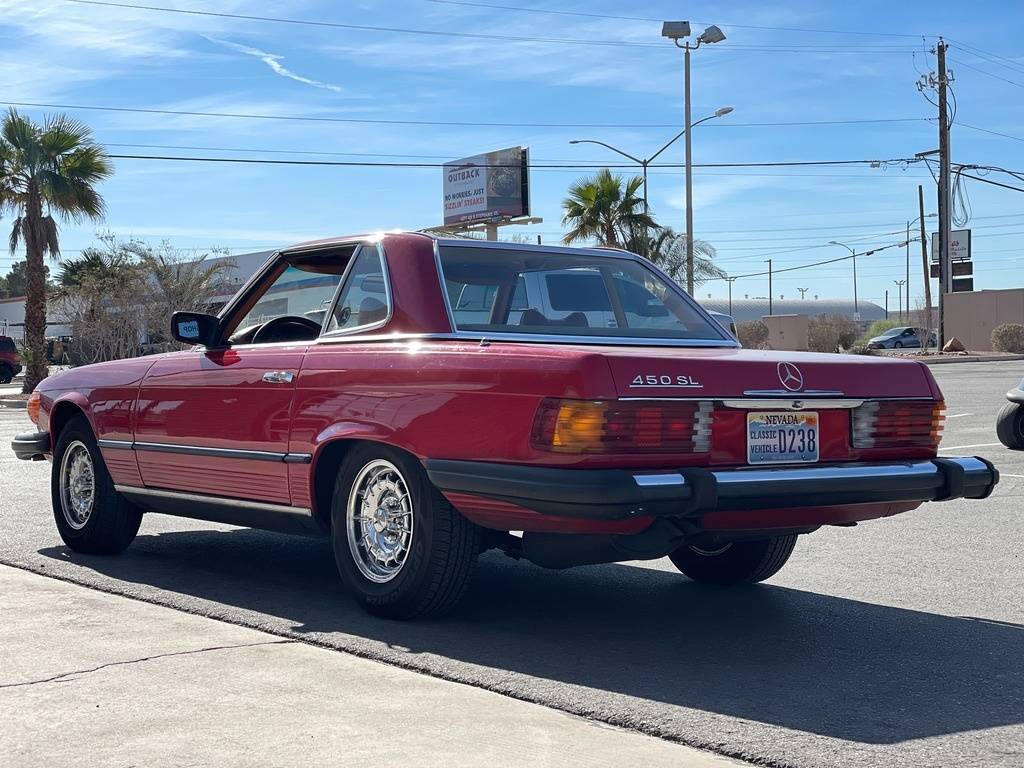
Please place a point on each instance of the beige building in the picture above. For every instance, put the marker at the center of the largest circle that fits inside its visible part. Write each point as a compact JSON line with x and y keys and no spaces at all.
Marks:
{"x":971,"y":316}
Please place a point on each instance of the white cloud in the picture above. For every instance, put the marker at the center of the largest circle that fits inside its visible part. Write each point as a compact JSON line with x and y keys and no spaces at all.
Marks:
{"x":274,"y":62}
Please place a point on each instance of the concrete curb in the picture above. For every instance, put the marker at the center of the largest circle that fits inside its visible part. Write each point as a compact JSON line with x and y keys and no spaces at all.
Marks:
{"x":969,"y":359}
{"x":22,"y":404}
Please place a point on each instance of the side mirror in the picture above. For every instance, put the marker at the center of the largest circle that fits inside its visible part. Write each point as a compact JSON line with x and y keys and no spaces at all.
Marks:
{"x":196,"y":328}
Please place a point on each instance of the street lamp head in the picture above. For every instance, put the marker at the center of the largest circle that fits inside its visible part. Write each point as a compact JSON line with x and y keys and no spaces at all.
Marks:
{"x":833,"y":242}
{"x":712,"y":35}
{"x":675,"y":30}
{"x":722,"y":111}
{"x":574,"y":141}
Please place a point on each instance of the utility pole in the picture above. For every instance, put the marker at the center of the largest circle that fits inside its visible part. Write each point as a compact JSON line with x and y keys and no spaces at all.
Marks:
{"x":899,"y":287}
{"x":942,"y":84}
{"x":906,"y":280}
{"x":886,"y":303}
{"x":924,"y":264}
{"x":769,"y":286}
{"x":730,"y":281}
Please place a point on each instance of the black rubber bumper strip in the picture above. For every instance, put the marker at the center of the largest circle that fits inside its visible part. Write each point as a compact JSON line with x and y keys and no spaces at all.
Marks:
{"x":31,"y":445}
{"x":617,"y":493}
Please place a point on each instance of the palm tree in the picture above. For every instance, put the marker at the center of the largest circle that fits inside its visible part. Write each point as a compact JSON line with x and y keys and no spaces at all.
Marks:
{"x":46,"y":170}
{"x":668,"y":250}
{"x":606,"y":209}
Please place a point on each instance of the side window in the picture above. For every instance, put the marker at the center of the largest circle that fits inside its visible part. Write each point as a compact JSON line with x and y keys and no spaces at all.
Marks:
{"x":295,"y":293}
{"x":363,"y":300}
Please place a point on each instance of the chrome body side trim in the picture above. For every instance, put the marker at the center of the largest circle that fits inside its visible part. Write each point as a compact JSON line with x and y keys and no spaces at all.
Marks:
{"x":221,"y":453}
{"x":123,"y":445}
{"x":200,"y":450}
{"x":221,"y":501}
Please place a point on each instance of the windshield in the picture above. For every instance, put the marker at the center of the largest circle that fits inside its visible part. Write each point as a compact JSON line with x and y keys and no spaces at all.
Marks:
{"x":540,"y":292}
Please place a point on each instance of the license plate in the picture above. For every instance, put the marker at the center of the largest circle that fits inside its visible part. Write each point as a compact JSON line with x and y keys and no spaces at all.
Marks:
{"x":782,"y":438}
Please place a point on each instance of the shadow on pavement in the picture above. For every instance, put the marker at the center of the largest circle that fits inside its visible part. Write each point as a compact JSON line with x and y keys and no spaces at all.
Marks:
{"x":809,"y":662}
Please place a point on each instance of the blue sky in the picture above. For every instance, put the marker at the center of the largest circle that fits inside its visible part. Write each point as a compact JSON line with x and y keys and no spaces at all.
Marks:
{"x":59,"y":52}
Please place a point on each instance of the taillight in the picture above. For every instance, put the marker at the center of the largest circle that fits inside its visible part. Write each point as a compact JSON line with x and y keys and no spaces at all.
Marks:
{"x":32,"y":407}
{"x":898,"y":424}
{"x":623,"y":426}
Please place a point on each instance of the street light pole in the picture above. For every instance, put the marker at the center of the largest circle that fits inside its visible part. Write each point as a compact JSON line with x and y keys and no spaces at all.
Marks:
{"x":853,"y":256}
{"x":645,"y":163}
{"x":899,"y":287}
{"x":676,"y":31}
{"x":769,"y":286}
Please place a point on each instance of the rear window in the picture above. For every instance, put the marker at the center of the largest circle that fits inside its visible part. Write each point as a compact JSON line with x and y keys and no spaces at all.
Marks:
{"x":524,"y":291}
{"x":7,"y":344}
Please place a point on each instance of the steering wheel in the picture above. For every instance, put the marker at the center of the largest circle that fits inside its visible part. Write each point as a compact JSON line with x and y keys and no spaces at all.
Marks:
{"x":266,"y":331}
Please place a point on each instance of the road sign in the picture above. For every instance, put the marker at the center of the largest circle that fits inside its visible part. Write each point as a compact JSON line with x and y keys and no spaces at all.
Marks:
{"x":962,"y":284}
{"x":959,"y":245}
{"x":960,"y":269}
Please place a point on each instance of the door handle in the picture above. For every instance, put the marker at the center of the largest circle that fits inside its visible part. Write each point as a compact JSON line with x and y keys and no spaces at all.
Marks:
{"x":278,"y":377}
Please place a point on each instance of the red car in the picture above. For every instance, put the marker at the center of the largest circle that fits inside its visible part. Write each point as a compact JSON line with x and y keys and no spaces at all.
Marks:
{"x":422,"y":400}
{"x":10,"y":362}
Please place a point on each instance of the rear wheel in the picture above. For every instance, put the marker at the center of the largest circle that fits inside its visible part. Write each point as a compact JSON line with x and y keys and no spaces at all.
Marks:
{"x":1010,"y":426}
{"x":91,"y":516}
{"x":401,"y":548}
{"x":736,"y":562}
{"x":898,"y":345}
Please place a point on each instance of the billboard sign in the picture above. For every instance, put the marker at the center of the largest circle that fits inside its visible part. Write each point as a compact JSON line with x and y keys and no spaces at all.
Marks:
{"x":495,"y":185}
{"x":959,"y":245}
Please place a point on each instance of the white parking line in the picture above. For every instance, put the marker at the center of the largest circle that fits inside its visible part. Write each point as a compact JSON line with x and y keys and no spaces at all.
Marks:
{"x":958,"y":415}
{"x":1007,"y":474}
{"x":960,"y":447}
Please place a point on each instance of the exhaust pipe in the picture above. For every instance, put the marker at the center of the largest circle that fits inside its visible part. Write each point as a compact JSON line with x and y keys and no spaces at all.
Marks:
{"x":567,"y":550}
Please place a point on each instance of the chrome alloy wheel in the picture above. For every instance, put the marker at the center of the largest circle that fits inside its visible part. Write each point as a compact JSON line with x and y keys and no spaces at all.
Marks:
{"x":379,"y":521}
{"x":77,"y":485}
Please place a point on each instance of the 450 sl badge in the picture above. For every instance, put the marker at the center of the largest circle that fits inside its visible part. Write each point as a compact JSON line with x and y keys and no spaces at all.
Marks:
{"x":664,"y":380}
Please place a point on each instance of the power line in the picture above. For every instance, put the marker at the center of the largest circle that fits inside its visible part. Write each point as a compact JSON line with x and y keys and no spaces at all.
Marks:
{"x":990,"y":181}
{"x":988,"y":130}
{"x":457,"y":123}
{"x":790,"y":48}
{"x":553,"y":12}
{"x":985,"y":72}
{"x":373,"y":28}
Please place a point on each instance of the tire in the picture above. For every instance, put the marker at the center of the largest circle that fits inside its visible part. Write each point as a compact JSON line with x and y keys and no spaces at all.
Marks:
{"x":738,"y":562}
{"x":6,"y":373}
{"x":100,"y":523}
{"x":898,"y":345}
{"x":1010,"y":426}
{"x":426,"y":552}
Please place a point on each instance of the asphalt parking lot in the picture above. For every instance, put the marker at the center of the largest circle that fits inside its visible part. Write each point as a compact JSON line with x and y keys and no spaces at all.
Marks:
{"x":895,"y":643}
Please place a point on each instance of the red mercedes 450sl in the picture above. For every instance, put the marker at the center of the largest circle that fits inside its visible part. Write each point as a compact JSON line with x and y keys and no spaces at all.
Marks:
{"x":422,"y":400}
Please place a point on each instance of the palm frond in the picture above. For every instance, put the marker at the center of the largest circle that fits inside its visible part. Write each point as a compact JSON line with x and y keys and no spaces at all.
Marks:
{"x":16,"y":234}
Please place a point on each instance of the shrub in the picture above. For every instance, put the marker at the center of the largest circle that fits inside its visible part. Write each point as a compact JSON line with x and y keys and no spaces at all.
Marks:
{"x":753,"y":334}
{"x":1008,"y":337}
{"x":830,"y":333}
{"x":860,"y":349}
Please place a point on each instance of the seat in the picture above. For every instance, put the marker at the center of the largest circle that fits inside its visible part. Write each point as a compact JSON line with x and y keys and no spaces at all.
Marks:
{"x":372,"y":310}
{"x":532,"y":316}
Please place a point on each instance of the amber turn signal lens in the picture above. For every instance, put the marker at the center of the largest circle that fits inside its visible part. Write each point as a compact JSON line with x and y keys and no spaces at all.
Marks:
{"x":33,"y":407}
{"x":624,"y":427}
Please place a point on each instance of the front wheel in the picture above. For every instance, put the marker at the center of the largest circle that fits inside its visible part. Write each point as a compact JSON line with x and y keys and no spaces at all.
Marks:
{"x":6,"y":374}
{"x":1010,"y":426}
{"x":898,"y":345}
{"x":91,"y":516}
{"x":735,"y":562}
{"x":401,"y":548}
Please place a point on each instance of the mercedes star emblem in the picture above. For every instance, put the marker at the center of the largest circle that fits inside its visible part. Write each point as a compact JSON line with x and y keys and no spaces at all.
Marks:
{"x":791,"y":377}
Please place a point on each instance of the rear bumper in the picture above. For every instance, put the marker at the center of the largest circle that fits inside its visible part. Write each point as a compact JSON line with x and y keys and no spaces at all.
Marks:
{"x":31,"y":446}
{"x":613,"y":494}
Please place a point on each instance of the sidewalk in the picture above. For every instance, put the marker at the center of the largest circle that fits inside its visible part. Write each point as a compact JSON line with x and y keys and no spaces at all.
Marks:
{"x":88,"y":678}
